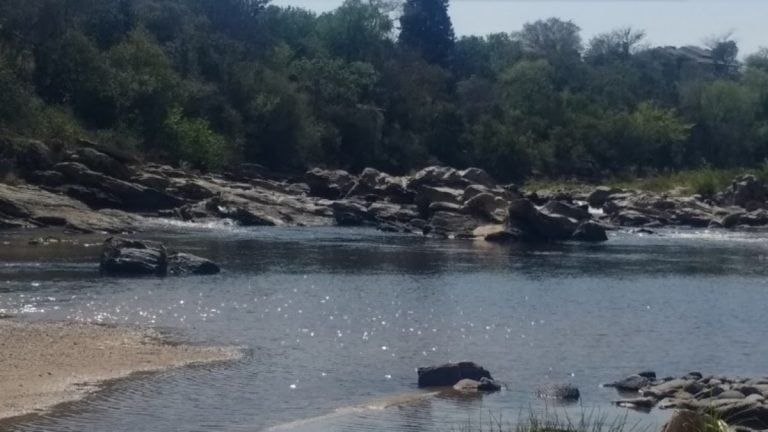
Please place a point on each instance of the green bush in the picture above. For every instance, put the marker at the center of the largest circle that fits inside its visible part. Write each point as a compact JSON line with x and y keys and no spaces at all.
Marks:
{"x":191,"y":140}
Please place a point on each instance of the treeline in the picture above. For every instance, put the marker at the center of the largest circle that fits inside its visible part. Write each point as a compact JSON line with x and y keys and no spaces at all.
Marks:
{"x":374,"y":83}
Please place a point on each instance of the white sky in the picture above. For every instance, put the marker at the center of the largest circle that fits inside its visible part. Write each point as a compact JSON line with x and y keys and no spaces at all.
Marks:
{"x":666,"y":22}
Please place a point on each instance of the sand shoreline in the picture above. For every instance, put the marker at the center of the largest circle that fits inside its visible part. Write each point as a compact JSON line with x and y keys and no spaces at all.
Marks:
{"x":43,"y":365}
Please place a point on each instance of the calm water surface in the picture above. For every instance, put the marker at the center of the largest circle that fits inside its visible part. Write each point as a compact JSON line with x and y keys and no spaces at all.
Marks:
{"x":334,"y":322}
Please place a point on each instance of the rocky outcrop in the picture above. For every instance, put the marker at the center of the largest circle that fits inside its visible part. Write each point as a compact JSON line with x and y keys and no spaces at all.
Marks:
{"x":739,"y":402}
{"x":124,"y":257}
{"x":450,"y":374}
{"x":746,"y":192}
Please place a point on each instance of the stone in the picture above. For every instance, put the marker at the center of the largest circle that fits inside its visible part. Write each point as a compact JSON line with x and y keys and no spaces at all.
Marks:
{"x":482,"y":385}
{"x":630,"y":383}
{"x":524,"y":216}
{"x":731,"y":394}
{"x":426,"y":195}
{"x":449,"y":374}
{"x":477,"y":176}
{"x":590,"y":231}
{"x":330,"y":184}
{"x":639,"y":403}
{"x":100,"y":163}
{"x":122,"y":257}
{"x":449,"y":224}
{"x":180,"y":263}
{"x":567,"y":210}
{"x":600,"y":195}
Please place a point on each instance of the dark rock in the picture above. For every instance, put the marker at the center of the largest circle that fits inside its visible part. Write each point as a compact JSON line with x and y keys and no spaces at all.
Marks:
{"x":651,"y":375}
{"x":427,"y":195}
{"x":745,"y":191}
{"x":666,"y":389}
{"x":524,"y":216}
{"x":477,"y":176}
{"x":101,"y":163}
{"x":645,"y":403}
{"x":152,"y":181}
{"x":350,"y":213}
{"x":47,"y":178}
{"x":565,"y":392}
{"x":94,"y":198}
{"x":186,"y":264}
{"x":192,"y":190}
{"x":330,"y":184}
{"x":504,"y":236}
{"x":451,"y":373}
{"x":122,"y":257}
{"x":567,"y":210}
{"x":600,"y":195}
{"x":590,"y":231}
{"x":449,"y":224}
{"x":630,"y":383}
{"x":487,"y":206}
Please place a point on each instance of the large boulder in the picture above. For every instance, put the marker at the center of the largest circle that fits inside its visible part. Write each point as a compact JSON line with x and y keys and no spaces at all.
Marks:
{"x":101,"y":163}
{"x":125,"y":257}
{"x":449,"y":224}
{"x":180,"y":264}
{"x":590,"y":231}
{"x":450,"y":374}
{"x":631,"y":383}
{"x":477,"y":176}
{"x":329,"y":184}
{"x":524,"y":216}
{"x":426,"y":195}
{"x":351,"y":213}
{"x":599,"y":196}
{"x":567,"y":210}
{"x":745,"y":191}
{"x":132,"y":196}
{"x":487,"y":206}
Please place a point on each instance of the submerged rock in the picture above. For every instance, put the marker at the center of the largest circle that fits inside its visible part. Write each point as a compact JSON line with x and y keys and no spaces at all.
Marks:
{"x":564,"y":392}
{"x":630,"y":383}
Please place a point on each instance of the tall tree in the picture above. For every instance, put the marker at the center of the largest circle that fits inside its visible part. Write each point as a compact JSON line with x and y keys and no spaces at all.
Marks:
{"x":426,"y":28}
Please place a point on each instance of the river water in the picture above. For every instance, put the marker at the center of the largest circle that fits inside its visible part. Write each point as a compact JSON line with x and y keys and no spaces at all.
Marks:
{"x":333,"y":323}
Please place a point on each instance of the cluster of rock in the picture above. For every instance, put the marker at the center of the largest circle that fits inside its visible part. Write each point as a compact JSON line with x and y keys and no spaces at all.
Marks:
{"x":737,"y":401}
{"x":468,"y":377}
{"x":743,"y":204}
{"x":96,"y":188}
{"x":125,"y":257}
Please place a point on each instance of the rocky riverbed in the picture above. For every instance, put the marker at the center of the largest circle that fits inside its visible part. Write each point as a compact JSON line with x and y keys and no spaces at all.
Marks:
{"x":92,"y":188}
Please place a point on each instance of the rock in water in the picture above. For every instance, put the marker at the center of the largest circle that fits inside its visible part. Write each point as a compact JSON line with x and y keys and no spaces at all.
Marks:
{"x":122,"y":257}
{"x":590,"y":231}
{"x":483,"y":385}
{"x":630,"y":383}
{"x":451,"y":373}
{"x":180,"y":263}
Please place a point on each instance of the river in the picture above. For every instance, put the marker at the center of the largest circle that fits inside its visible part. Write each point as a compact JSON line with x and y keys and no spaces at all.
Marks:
{"x":333,"y":323}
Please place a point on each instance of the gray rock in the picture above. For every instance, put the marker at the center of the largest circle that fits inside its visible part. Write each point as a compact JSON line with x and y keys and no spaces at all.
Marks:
{"x":567,"y":210}
{"x":180,"y":263}
{"x":630,"y":383}
{"x":330,"y":184}
{"x":731,"y":394}
{"x":524,"y":216}
{"x":639,"y":403}
{"x":123,"y":257}
{"x":590,"y":231}
{"x":482,"y":385}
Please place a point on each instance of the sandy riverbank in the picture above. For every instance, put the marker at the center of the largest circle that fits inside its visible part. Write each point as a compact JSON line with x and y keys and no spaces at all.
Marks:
{"x":44,"y":365}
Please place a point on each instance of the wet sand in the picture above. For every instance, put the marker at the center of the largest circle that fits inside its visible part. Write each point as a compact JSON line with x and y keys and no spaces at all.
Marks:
{"x":44,"y":365}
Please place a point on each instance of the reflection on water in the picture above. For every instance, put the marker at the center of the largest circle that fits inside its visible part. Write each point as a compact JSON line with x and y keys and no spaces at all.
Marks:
{"x":336,"y":321}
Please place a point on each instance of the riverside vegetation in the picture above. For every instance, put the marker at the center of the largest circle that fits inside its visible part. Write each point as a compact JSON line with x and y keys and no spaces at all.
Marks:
{"x":203,"y":83}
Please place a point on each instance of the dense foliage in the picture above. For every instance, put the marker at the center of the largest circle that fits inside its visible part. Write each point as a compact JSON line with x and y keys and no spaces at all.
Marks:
{"x":374,"y":83}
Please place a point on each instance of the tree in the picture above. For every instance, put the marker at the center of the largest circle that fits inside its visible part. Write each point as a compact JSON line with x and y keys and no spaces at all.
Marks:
{"x":617,"y":45}
{"x":426,"y":28}
{"x":552,"y":39}
{"x":359,"y":30}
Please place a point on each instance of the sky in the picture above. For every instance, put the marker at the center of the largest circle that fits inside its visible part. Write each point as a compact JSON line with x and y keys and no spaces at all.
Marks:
{"x":666,"y":22}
